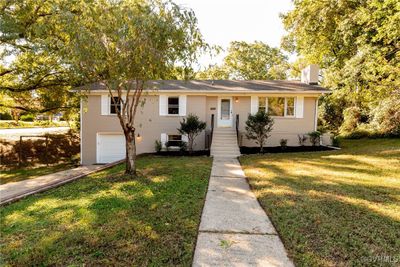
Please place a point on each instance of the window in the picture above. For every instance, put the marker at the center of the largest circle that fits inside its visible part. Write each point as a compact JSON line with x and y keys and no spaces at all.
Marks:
{"x":262,"y":104}
{"x":174,"y":140}
{"x":278,"y":106}
{"x":289,"y":106}
{"x":114,"y":105}
{"x":173,"y":105}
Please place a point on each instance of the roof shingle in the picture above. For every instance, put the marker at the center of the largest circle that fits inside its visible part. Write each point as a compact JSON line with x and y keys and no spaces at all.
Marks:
{"x":223,"y":86}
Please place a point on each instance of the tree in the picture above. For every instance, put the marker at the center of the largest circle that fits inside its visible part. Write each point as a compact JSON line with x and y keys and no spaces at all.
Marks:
{"x":355,"y":42}
{"x":213,"y":72}
{"x":192,"y":126}
{"x":249,"y":61}
{"x":255,"y":61}
{"x":123,"y":44}
{"x":31,"y":34}
{"x":258,"y":127}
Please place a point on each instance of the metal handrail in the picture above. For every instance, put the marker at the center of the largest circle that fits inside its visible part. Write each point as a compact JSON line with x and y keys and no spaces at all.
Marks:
{"x":237,"y":128}
{"x":212,"y":129}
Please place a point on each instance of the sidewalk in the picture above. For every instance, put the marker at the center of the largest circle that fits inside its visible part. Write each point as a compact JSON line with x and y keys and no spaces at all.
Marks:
{"x":234,"y":229}
{"x":13,"y":191}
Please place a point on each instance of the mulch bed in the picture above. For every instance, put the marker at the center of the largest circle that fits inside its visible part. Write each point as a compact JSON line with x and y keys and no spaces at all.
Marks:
{"x":278,"y":149}
{"x":175,"y":153}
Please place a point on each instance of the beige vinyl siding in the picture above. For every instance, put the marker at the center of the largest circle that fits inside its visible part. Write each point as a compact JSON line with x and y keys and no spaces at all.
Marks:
{"x":150,"y":125}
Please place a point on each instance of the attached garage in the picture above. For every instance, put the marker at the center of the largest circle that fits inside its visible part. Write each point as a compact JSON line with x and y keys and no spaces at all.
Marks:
{"x":110,"y":147}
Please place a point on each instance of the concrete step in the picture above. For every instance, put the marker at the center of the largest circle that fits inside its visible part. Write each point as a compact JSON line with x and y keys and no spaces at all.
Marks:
{"x":223,"y":155}
{"x":214,"y":152}
{"x":224,"y":148}
{"x":224,"y":144}
{"x":224,"y":134}
{"x":224,"y":137}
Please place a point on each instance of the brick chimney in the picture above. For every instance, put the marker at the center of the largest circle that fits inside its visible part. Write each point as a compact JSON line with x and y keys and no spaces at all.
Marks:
{"x":309,"y":74}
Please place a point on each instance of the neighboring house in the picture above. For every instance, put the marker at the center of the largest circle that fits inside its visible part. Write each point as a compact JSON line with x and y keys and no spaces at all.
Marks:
{"x":292,"y":104}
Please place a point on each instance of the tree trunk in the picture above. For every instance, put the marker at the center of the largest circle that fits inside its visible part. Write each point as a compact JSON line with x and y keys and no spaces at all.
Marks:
{"x":190,"y":145}
{"x":261,"y":145}
{"x":130,"y":168}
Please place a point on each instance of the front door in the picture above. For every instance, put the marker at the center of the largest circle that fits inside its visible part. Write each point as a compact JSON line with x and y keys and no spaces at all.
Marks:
{"x":225,"y":112}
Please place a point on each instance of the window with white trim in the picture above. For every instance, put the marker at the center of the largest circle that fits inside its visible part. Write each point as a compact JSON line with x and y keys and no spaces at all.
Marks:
{"x":289,"y":106}
{"x":173,"y":105}
{"x":278,"y":106}
{"x":115,"y":104}
{"x":174,"y":140}
{"x":262,"y":104}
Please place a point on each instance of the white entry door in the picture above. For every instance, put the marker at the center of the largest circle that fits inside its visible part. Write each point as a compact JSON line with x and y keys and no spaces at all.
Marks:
{"x":225,"y":112}
{"x":110,"y":147}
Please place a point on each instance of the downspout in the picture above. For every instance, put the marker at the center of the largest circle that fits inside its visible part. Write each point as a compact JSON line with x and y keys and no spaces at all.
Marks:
{"x":316,"y":115}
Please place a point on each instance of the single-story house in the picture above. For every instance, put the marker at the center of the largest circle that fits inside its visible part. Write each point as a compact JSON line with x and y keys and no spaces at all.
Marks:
{"x":223,"y":104}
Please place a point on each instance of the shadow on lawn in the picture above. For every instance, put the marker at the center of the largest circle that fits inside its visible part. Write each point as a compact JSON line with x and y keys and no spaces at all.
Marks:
{"x":108,"y":219}
{"x":338,"y":221}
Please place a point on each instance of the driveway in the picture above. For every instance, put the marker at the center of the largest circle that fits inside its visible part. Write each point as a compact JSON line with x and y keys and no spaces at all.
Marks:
{"x":13,"y":191}
{"x":14,"y":134}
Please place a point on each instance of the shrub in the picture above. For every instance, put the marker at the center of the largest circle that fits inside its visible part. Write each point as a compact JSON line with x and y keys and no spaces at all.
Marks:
{"x":28,"y":117}
{"x":302,"y":139}
{"x":352,"y":117}
{"x":315,"y":137}
{"x":336,"y":141}
{"x":5,"y":116}
{"x":60,"y":148}
{"x":386,"y":117}
{"x":283,"y":143}
{"x":192,"y":126}
{"x":182,"y":146}
{"x":331,"y":112}
{"x":356,"y":134}
{"x":158,"y":145}
{"x":258,"y":127}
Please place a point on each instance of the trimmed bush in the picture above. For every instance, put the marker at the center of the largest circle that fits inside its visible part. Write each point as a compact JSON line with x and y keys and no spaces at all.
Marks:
{"x":302,"y":139}
{"x":5,"y":116}
{"x":315,"y":137}
{"x":28,"y":117}
{"x":283,"y":143}
{"x":158,"y":145}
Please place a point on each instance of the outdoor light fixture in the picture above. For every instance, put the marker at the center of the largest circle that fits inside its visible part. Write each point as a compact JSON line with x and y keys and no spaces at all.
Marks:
{"x":139,"y":138}
{"x":236,"y":99}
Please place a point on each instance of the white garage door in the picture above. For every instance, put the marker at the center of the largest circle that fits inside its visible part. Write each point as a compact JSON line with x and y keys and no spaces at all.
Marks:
{"x":110,"y":147}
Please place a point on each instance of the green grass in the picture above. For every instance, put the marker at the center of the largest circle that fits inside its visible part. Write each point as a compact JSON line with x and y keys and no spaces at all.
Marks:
{"x":20,"y":174}
{"x":334,"y":208}
{"x":107,"y":219}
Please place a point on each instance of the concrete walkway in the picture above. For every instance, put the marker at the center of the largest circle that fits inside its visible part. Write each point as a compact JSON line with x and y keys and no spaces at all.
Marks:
{"x":234,"y":229}
{"x":13,"y":191}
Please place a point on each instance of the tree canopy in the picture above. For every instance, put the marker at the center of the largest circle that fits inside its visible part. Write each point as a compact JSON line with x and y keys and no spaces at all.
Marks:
{"x":249,"y":61}
{"x":31,"y":67}
{"x":357,"y":43}
{"x":123,"y":44}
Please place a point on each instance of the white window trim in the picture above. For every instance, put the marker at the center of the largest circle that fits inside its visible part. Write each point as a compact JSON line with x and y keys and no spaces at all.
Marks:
{"x":179,"y":106}
{"x":294,"y":108}
{"x":182,"y":140}
{"x":163,"y":105}
{"x":285,"y":107}
{"x":106,"y":100}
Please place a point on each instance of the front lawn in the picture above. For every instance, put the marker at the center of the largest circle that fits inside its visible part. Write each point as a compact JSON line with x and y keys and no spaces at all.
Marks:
{"x":107,"y":219}
{"x":333,"y":208}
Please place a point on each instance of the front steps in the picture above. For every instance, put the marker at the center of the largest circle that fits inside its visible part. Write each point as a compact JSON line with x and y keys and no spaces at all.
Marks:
{"x":224,"y":143}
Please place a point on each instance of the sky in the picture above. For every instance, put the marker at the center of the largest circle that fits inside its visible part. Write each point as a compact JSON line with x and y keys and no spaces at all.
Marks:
{"x":223,"y":21}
